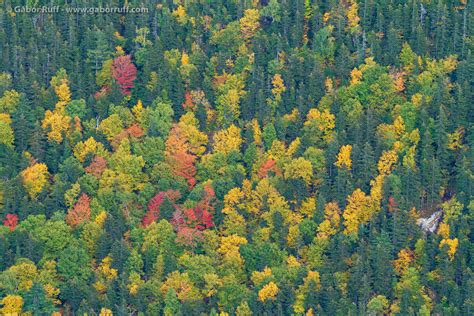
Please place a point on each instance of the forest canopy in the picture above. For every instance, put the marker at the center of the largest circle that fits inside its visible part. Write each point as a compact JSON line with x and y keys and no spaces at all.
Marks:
{"x":306,"y":157}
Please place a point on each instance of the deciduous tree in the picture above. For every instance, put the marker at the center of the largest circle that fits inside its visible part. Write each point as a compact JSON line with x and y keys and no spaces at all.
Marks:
{"x":11,"y":220}
{"x":344,"y":157}
{"x":81,"y":211}
{"x":35,"y":177}
{"x":12,"y":305}
{"x":124,"y":71}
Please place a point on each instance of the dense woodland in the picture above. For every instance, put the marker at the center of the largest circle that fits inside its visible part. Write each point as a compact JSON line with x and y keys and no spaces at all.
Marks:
{"x":237,"y":157}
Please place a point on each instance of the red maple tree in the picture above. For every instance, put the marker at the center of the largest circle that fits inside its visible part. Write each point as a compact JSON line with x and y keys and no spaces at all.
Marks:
{"x":125,"y":72}
{"x":154,"y":205}
{"x":11,"y":220}
{"x":191,"y":222}
{"x":198,"y":218}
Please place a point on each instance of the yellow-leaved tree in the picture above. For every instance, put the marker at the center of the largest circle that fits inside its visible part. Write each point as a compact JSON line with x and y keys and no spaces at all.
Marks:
{"x":105,"y":274}
{"x":353,"y":18}
{"x":56,"y":124}
{"x":450,"y":243}
{"x":105,"y":312}
{"x":232,"y":261}
{"x":9,"y":101}
{"x":35,"y":178}
{"x":63,"y":93}
{"x":197,"y":140}
{"x":299,"y":168}
{"x":6,"y":131}
{"x":332,"y":218}
{"x":402,"y":263}
{"x":278,"y":87}
{"x":319,"y":127}
{"x":88,"y":147}
{"x":180,"y":15}
{"x":230,"y":90}
{"x":357,"y":211}
{"x":12,"y":305}
{"x":227,"y":140}
{"x":182,"y":285}
{"x":386,"y":162}
{"x":234,"y":205}
{"x":268,"y":292}
{"x":259,"y":277}
{"x":344,"y":157}
{"x":249,"y":23}
{"x":310,"y":282}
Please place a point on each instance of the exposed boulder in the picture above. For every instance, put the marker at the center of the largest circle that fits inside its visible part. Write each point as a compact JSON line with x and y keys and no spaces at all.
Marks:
{"x":431,"y":223}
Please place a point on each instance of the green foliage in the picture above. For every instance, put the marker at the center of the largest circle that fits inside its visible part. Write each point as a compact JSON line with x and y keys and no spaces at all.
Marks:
{"x":268,"y":158}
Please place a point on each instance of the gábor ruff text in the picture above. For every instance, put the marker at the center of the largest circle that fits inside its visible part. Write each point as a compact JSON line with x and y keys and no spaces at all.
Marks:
{"x":79,"y":10}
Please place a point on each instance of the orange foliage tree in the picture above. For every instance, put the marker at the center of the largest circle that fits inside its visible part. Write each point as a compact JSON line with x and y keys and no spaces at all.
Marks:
{"x":178,"y":155}
{"x":97,"y":166}
{"x":81,"y":211}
